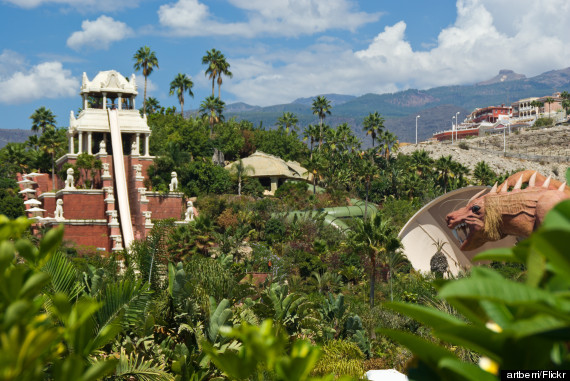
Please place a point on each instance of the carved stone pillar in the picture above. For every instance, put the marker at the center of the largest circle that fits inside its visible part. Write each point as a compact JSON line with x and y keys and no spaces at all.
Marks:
{"x":89,"y":143}
{"x":80,"y":145}
{"x":71,"y":144}
{"x":138,"y":151}
{"x":85,"y":103}
{"x":146,"y":144}
{"x":104,"y":101}
{"x":120,"y":100}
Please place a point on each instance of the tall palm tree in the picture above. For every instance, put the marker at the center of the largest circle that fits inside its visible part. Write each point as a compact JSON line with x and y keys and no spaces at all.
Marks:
{"x":565,"y":101}
{"x":152,"y":105}
{"x":42,"y":119}
{"x":217,"y":66}
{"x":550,"y":101}
{"x":373,"y":124}
{"x":180,"y":85}
{"x":145,"y":60}
{"x":51,"y":142}
{"x":241,"y":170}
{"x":444,"y":165}
{"x":288,"y":121}
{"x":376,"y":237}
{"x":315,"y":165}
{"x":537,"y":105}
{"x":388,"y":141}
{"x":321,"y":106}
{"x":311,"y":133}
{"x":212,"y":108}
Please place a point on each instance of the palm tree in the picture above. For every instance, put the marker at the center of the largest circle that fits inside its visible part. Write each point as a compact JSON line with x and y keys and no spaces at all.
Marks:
{"x":483,"y":174}
{"x":444,"y":166}
{"x":373,"y":124}
{"x":51,"y":142}
{"x":321,"y":106}
{"x":241,"y":171}
{"x":181,"y":84}
{"x":217,"y":66}
{"x":565,"y":101}
{"x":550,"y":101}
{"x":152,"y":105}
{"x":537,"y":105}
{"x":367,"y":170}
{"x":42,"y":119}
{"x":312,"y":134}
{"x":288,"y":121}
{"x":315,"y":165}
{"x":388,"y":141}
{"x":212,"y":109}
{"x":146,"y":60}
{"x":375,"y":237}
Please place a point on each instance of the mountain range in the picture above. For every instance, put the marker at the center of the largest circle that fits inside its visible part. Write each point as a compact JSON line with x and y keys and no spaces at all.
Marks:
{"x":435,"y":106}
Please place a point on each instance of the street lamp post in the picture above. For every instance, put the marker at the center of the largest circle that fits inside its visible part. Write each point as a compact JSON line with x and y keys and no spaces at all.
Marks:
{"x":452,"y":128}
{"x":417,"y":116}
{"x":456,"y":126}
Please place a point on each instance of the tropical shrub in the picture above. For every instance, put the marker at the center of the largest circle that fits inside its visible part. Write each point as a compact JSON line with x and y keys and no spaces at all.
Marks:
{"x":521,"y":327}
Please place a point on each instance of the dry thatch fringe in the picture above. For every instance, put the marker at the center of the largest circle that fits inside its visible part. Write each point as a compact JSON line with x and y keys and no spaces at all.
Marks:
{"x":496,"y":206}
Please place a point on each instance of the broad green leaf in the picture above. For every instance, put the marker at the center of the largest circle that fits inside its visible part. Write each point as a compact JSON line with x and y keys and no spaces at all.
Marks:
{"x":34,"y":284}
{"x":428,"y":352}
{"x":6,"y":254}
{"x":558,"y":217}
{"x":500,"y":290}
{"x":553,"y":245}
{"x":535,"y":325}
{"x":502,"y":254}
{"x":497,"y":312}
{"x":99,"y":369}
{"x":536,"y":265}
{"x":478,"y":339}
{"x":465,"y":370}
{"x":426,"y":315}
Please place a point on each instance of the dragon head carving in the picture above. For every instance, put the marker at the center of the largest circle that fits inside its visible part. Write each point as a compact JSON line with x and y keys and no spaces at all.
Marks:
{"x":500,"y":212}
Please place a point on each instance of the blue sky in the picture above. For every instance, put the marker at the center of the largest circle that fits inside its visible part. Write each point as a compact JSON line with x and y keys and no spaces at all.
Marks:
{"x":279,"y":50}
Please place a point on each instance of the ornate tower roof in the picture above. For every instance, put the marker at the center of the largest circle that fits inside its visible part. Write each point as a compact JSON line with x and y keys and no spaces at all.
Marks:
{"x":110,"y":81}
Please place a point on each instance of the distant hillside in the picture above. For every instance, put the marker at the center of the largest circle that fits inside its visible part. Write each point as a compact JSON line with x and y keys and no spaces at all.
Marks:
{"x":335,"y":99}
{"x":13,"y":136}
{"x":436,"y":106}
{"x":503,"y":76}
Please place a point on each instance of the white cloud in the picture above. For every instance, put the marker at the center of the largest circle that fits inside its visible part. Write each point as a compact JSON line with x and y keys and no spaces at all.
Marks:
{"x":46,"y":80}
{"x":80,"y":5}
{"x":474,"y":48}
{"x":99,"y":34}
{"x":276,"y":18}
{"x":150,"y":87}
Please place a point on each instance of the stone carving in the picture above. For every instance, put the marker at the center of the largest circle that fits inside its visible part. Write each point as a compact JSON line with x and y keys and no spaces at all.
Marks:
{"x":500,"y":213}
{"x":138,"y":170}
{"x":189,"y":214}
{"x":109,"y":193}
{"x":134,"y":148}
{"x":142,"y":191}
{"x":103,"y":149}
{"x":118,"y":243}
{"x":106,"y":170}
{"x":114,"y":216}
{"x":70,"y":181}
{"x":147,"y":215}
{"x":173,"y":182}
{"x":58,"y":214}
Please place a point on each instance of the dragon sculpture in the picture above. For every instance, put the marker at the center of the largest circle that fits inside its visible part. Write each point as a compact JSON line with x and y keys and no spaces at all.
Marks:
{"x":501,"y":212}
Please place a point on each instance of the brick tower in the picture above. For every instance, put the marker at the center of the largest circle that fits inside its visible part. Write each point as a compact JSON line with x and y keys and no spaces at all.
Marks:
{"x":114,"y":208}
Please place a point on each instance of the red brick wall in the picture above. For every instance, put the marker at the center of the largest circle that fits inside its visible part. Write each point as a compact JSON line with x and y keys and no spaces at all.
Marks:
{"x":166,"y":207}
{"x":84,"y":206}
{"x":92,"y":235}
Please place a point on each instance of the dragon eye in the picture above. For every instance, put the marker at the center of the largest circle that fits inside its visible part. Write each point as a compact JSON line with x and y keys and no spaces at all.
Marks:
{"x":475,"y":208}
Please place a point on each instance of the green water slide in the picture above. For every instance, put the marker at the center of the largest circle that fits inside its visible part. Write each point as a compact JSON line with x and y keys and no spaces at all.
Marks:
{"x":336,"y":216}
